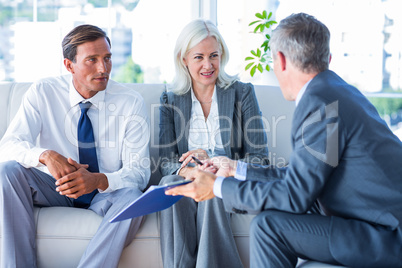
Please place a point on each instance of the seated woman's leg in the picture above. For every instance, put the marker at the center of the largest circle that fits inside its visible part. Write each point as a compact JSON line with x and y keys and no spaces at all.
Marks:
{"x":178,"y":231}
{"x":216,"y":245}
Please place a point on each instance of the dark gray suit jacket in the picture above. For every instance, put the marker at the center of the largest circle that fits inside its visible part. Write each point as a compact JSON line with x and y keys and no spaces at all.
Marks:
{"x":346,"y":158}
{"x":239,"y":115}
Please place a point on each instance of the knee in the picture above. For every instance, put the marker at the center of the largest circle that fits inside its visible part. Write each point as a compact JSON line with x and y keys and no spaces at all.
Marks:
{"x":267,"y":222}
{"x":9,"y":167}
{"x":8,"y":170}
{"x":130,"y":191}
{"x":170,"y":179}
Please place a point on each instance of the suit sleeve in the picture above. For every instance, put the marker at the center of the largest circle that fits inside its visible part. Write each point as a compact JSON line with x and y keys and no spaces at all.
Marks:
{"x":168,"y":150}
{"x":254,"y":140}
{"x":257,"y":172}
{"x":315,"y":138}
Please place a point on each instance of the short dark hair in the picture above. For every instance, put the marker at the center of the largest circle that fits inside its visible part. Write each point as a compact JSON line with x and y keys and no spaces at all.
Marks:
{"x":78,"y":36}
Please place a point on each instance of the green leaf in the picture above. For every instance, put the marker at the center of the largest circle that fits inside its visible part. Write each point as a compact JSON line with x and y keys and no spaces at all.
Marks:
{"x":254,"y":53}
{"x":272,"y":22}
{"x":254,"y":22}
{"x":260,"y":16}
{"x":264,"y":13}
{"x":265,"y":46}
{"x":252,"y":71}
{"x":249,"y":65}
{"x":269,"y":16}
{"x":258,"y":53}
{"x":260,"y":68}
{"x":256,"y":28}
{"x":249,"y":58}
{"x":267,"y":68}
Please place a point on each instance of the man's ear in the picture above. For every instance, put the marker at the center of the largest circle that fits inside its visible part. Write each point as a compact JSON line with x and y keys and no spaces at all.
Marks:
{"x":69,"y":65}
{"x":282,"y":61}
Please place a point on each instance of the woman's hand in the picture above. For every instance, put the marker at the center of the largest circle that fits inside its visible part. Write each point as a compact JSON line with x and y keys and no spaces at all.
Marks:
{"x":224,"y":166}
{"x":187,"y":157}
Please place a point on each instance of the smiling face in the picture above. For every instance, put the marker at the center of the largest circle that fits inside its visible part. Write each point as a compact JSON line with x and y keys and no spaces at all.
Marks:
{"x":203,"y":62}
{"x":91,"y":68}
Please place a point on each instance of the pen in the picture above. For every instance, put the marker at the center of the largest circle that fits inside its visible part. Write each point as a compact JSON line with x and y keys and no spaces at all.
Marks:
{"x":197,"y":160}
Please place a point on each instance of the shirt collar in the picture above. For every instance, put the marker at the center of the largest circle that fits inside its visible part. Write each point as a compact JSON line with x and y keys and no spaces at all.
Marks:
{"x":194,"y":98}
{"x":76,"y":98}
{"x":301,"y":92}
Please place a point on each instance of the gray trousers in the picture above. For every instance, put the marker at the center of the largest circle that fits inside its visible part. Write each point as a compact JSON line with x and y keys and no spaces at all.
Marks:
{"x":197,"y":234}
{"x":278,"y":238}
{"x":23,"y":188}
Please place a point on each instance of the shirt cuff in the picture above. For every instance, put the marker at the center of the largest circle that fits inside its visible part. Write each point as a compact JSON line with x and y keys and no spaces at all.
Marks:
{"x":112,"y":179}
{"x":35,"y":154}
{"x":241,"y":171}
{"x":218,"y":186}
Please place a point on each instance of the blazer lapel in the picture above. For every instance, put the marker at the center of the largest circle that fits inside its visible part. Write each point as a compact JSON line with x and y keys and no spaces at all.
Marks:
{"x":226,"y":103}
{"x":182,"y":119}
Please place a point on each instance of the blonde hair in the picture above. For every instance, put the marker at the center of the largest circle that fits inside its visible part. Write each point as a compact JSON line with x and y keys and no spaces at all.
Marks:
{"x":191,"y":35}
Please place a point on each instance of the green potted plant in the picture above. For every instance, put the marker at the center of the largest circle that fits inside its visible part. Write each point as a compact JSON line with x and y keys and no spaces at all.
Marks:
{"x":260,"y":59}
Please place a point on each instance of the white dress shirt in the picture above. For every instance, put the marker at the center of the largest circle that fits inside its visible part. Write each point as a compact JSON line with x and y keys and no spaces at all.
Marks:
{"x":47,"y":120}
{"x":301,"y":92}
{"x":205,"y":134}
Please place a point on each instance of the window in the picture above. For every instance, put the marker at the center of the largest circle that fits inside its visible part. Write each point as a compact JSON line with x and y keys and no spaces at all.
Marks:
{"x":142,"y":33}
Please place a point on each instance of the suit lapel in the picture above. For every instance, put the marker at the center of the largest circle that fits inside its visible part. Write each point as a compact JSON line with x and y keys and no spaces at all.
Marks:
{"x":226,"y":103}
{"x":182,"y":119}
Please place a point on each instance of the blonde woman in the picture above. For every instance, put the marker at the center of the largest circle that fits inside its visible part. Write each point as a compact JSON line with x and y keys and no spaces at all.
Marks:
{"x":206,"y":113}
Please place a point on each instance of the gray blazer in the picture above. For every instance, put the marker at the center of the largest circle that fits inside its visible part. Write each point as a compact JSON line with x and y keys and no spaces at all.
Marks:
{"x":346,"y":158}
{"x":238,"y":110}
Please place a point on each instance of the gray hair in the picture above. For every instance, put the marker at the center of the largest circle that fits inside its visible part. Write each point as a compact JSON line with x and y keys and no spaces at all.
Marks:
{"x":304,"y":41}
{"x":191,"y":35}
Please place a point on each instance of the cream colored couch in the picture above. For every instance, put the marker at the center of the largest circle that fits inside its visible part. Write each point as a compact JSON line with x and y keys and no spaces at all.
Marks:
{"x":63,"y":233}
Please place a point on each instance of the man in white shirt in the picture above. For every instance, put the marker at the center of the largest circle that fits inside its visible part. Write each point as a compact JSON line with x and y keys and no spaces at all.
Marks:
{"x":77,"y":140}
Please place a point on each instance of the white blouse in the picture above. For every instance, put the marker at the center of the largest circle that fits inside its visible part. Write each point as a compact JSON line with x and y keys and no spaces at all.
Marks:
{"x":205,"y":134}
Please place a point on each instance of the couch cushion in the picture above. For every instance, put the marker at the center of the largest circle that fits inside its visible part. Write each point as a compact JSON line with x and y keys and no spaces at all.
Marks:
{"x":60,"y":229}
{"x":11,"y":96}
{"x":277,"y":114}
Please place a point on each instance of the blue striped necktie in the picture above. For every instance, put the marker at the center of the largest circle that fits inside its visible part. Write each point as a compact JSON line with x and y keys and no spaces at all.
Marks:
{"x":86,"y":151}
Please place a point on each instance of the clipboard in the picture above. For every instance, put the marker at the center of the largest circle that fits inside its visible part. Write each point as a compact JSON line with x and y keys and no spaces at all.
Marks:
{"x":152,"y":200}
